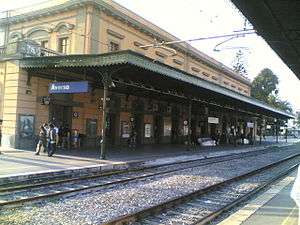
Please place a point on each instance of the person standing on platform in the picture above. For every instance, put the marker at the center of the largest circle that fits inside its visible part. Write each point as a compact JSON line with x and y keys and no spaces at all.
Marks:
{"x":76,"y":139}
{"x":66,"y":134}
{"x":52,"y":140}
{"x":56,"y":135}
{"x":42,"y":143}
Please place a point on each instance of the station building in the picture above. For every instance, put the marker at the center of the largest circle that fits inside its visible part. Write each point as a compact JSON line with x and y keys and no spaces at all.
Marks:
{"x":58,"y":58}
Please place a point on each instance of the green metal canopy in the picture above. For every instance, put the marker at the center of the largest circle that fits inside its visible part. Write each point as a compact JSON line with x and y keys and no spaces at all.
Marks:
{"x":278,"y":22}
{"x":164,"y":75}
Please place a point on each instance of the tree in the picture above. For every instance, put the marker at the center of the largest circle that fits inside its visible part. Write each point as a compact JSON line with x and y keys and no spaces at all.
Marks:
{"x":239,"y":63}
{"x":264,"y":88}
{"x":264,"y":85}
{"x":276,"y":102}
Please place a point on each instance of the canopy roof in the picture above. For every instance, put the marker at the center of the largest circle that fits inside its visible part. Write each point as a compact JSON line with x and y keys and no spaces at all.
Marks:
{"x":278,"y":22}
{"x":132,"y":69}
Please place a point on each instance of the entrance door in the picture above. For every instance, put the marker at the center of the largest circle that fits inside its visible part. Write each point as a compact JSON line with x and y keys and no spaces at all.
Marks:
{"x":138,"y":118}
{"x":213,"y":130}
{"x":175,"y":126}
{"x":157,"y":123}
{"x":61,"y":114}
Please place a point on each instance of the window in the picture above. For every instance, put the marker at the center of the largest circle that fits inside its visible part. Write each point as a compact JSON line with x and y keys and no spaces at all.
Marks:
{"x":205,"y":74}
{"x":214,"y":78}
{"x":44,"y":44}
{"x":113,"y":46}
{"x":195,"y":69}
{"x":63,"y":44}
{"x":178,"y":62}
{"x":161,"y":56}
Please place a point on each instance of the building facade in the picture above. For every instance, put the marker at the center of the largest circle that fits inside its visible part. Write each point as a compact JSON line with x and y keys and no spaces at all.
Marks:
{"x":91,"y":27}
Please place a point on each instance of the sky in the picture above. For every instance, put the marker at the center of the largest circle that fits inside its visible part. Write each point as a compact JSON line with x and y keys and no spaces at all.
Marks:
{"x":188,"y":19}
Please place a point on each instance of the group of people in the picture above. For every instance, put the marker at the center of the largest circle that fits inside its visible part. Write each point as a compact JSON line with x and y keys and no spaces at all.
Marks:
{"x":51,"y":136}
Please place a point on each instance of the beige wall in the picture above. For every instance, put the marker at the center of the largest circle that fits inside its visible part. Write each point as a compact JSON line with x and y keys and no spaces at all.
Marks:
{"x":94,"y":29}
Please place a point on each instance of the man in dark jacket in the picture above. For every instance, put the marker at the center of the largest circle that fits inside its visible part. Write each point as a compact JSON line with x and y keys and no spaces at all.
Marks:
{"x":51,"y":140}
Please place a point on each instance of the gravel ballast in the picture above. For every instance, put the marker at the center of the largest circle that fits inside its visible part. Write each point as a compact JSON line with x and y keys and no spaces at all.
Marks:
{"x":98,"y":206}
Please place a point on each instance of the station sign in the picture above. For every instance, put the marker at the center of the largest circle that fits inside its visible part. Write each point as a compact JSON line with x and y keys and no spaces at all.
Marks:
{"x":250,"y":125}
{"x":213,"y":120}
{"x":68,"y":87}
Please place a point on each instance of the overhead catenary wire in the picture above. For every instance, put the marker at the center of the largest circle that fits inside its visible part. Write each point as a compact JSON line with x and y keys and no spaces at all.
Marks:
{"x":158,"y":44}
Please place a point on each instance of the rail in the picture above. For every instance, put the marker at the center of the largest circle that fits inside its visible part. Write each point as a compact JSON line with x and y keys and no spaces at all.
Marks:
{"x":177,"y":201}
{"x":53,"y":187}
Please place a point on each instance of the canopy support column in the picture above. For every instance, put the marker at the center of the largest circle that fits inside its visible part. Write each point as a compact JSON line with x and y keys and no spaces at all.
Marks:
{"x":276,"y":130}
{"x":235,"y":129}
{"x":107,"y":81}
{"x":190,"y":126}
{"x":260,"y":130}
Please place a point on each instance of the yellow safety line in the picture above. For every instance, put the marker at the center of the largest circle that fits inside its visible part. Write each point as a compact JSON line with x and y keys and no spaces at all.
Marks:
{"x":287,"y":220}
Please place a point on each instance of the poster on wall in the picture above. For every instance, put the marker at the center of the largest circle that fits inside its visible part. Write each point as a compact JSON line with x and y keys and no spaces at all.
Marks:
{"x":167,"y":126}
{"x":26,"y":126}
{"x":213,"y":120}
{"x":125,"y":129}
{"x":148,"y":130}
{"x":185,"y":130}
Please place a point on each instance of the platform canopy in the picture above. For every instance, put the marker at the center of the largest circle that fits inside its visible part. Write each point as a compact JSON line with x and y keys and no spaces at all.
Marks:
{"x":136,"y":74}
{"x":278,"y":22}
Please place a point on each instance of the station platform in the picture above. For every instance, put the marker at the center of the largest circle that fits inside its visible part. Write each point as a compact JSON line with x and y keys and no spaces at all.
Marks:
{"x":21,"y":164}
{"x":275,"y":206}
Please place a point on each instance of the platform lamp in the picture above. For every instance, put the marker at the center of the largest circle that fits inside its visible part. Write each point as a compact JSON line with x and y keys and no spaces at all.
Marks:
{"x":107,"y":82}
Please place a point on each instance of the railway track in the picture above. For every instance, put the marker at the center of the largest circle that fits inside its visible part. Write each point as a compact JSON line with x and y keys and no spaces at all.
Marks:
{"x":17,"y":194}
{"x":204,"y":205}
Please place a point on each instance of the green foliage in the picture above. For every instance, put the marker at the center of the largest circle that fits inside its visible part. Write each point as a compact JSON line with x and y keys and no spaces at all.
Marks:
{"x":264,"y":88}
{"x":274,"y":101}
{"x":264,"y":85}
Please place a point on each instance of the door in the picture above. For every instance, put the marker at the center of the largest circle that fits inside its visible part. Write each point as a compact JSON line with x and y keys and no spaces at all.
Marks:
{"x":61,"y":114}
{"x":158,"y":127}
{"x":138,"y":127}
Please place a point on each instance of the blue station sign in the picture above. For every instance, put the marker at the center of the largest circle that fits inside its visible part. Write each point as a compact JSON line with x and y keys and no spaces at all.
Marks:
{"x":68,"y":87}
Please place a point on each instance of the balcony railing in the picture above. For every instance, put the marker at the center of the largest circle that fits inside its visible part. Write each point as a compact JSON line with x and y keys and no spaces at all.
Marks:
{"x":26,"y":48}
{"x":49,"y":52}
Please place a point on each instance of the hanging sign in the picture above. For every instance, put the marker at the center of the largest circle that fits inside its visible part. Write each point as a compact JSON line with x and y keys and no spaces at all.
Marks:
{"x":214,"y":120}
{"x":250,"y":125}
{"x":68,"y":87}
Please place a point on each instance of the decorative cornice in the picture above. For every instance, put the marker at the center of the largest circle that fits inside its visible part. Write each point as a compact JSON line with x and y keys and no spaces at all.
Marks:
{"x":68,"y":26}
{"x":115,"y":34}
{"x":38,"y":28}
{"x":16,"y":35}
